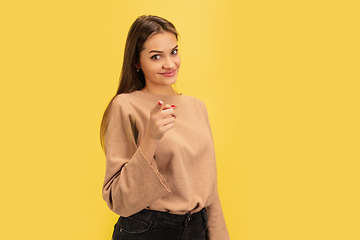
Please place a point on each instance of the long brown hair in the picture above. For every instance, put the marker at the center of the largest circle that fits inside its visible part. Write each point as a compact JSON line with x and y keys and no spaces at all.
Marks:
{"x":132,"y":79}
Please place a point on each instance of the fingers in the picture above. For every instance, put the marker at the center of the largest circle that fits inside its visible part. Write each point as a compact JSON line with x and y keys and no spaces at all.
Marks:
{"x":164,"y":111}
{"x":167,"y":120}
{"x":169,"y":110}
{"x":166,"y":124}
{"x":167,"y":113}
{"x":162,"y":119}
{"x":157,"y":107}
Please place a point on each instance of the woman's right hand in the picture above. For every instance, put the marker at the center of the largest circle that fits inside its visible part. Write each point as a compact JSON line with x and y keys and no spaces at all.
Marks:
{"x":161,"y":120}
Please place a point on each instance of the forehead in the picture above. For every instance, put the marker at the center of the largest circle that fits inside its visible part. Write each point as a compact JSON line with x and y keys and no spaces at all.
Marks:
{"x":160,"y":41}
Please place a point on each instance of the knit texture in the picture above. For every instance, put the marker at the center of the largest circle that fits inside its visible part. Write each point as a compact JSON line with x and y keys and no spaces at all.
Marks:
{"x":182,"y":176}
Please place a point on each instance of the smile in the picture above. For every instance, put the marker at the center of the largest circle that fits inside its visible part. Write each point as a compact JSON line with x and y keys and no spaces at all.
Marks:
{"x":169,"y":73}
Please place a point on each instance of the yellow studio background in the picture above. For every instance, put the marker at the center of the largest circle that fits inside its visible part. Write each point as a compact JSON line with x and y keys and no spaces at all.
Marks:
{"x":280,"y":80}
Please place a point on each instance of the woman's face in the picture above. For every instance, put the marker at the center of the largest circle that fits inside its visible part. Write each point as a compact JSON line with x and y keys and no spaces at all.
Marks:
{"x":160,"y":60}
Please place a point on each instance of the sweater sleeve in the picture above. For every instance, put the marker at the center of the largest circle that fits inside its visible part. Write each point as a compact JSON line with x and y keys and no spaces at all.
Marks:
{"x":216,"y":226}
{"x":131,"y":182}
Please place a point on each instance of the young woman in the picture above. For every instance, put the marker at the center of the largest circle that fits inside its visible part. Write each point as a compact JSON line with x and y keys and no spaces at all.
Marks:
{"x":160,"y":172}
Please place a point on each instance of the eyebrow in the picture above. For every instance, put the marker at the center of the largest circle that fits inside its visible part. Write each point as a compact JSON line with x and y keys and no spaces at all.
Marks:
{"x":157,"y":51}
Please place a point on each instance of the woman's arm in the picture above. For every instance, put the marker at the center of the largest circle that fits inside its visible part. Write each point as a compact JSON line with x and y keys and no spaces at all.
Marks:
{"x":161,"y":120}
{"x":216,"y":226}
{"x":132,"y":180}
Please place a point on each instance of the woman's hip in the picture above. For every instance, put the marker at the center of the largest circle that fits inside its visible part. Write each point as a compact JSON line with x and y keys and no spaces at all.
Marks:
{"x":149,"y":224}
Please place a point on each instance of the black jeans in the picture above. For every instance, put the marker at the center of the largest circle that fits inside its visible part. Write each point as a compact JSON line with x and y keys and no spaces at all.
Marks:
{"x":149,"y":225}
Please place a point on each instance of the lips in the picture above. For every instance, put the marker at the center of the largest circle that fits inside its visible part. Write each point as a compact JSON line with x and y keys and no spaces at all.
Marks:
{"x":169,"y":73}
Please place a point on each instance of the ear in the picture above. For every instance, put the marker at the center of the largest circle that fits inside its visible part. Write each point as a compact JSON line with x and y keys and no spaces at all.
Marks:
{"x":137,"y":65}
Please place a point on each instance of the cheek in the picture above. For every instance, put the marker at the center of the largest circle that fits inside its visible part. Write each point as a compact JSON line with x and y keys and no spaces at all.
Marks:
{"x":154,"y":68}
{"x":178,"y":60}
{"x":150,"y":67}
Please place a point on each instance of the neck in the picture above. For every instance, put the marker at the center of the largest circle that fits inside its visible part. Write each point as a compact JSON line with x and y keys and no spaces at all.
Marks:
{"x":164,"y":91}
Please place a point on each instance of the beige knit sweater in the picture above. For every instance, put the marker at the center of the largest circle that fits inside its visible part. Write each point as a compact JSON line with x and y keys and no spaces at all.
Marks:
{"x":182,"y":176}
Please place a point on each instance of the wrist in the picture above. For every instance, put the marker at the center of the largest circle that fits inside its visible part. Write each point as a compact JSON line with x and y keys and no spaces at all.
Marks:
{"x":148,"y":147}
{"x":150,"y":139}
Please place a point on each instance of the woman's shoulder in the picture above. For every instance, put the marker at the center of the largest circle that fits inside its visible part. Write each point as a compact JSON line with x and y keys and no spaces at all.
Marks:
{"x":120,"y":99}
{"x":190,"y":98}
{"x":196,"y":100}
{"x":124,"y":98}
{"x":123,"y":102}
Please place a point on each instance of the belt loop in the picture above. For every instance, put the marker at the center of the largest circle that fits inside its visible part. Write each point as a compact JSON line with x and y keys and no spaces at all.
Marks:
{"x":204,"y":214}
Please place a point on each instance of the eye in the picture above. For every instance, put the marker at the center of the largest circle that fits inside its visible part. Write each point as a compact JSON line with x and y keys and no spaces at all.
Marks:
{"x":155,"y":57}
{"x":174,"y":52}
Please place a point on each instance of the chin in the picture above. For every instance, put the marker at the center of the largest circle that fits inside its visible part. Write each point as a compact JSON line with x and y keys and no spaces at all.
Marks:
{"x":173,"y":81}
{"x":170,"y":80}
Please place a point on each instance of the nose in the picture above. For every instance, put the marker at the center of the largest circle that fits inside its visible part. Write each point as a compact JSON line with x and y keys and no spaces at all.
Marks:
{"x":169,"y":63}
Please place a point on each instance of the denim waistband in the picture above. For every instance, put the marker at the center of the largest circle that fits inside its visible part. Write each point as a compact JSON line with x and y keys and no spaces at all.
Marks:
{"x":186,"y":219}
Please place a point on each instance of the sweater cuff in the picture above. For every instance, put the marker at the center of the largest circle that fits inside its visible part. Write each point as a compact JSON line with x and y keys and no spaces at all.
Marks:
{"x":154,"y":168}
